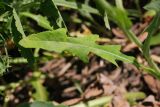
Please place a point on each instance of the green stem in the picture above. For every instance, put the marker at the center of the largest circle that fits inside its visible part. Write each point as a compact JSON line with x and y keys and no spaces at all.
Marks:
{"x":36,"y":51}
{"x":102,"y":5}
{"x":18,"y":60}
{"x":132,"y":37}
{"x":152,"y":63}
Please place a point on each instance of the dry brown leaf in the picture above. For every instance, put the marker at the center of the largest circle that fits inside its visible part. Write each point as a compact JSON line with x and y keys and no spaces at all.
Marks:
{"x":155,"y":58}
{"x":107,"y":84}
{"x":119,"y":101}
{"x":152,"y":83}
{"x":118,"y":33}
{"x":93,"y":92}
{"x":150,"y":102}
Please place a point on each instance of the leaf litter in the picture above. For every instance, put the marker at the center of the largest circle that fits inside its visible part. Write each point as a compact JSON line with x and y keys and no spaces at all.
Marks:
{"x":71,"y":82}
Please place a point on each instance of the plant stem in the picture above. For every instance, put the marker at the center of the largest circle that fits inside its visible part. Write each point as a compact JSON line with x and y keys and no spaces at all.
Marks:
{"x":36,"y":51}
{"x":132,"y":37}
{"x":103,"y":6}
{"x":152,"y":63}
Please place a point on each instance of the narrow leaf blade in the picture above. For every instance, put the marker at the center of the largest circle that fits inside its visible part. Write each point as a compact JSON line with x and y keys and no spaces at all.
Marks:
{"x":41,"y":20}
{"x":18,"y":34}
{"x":151,"y":30}
{"x":76,"y":5}
{"x":106,"y":20}
{"x":154,"y":5}
{"x":51,"y":11}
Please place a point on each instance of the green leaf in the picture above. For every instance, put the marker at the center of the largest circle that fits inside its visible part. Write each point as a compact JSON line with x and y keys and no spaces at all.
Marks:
{"x":51,"y":11}
{"x":3,"y":67}
{"x":76,"y":5}
{"x":41,"y":93}
{"x":154,"y":5}
{"x":18,"y":23}
{"x":41,"y":20}
{"x":4,"y":8}
{"x":106,"y":20}
{"x":155,"y":40}
{"x":133,"y":13}
{"x":132,"y":97}
{"x":58,"y":41}
{"x":40,"y":104}
{"x":119,"y":4}
{"x":122,"y":20}
{"x":151,"y":29}
{"x":84,"y":9}
{"x":18,"y":34}
{"x":4,"y":64}
{"x":151,"y":71}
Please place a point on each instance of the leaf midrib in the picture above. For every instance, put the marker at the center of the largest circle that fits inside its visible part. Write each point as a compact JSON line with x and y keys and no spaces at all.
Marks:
{"x":91,"y":48}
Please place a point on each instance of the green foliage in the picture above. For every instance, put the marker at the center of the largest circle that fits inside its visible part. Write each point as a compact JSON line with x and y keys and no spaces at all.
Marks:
{"x":133,"y":96}
{"x":76,"y":5}
{"x":154,"y":5}
{"x":3,"y":65}
{"x":4,"y":59}
{"x":41,"y":21}
{"x":58,"y":41}
{"x":151,"y":71}
{"x":18,"y":60}
{"x":51,"y":11}
{"x":155,"y":40}
{"x":119,"y":4}
{"x":41,"y":93}
{"x":18,"y":34}
{"x":106,"y":20}
{"x":122,"y":20}
{"x":124,"y":23}
{"x":47,"y":15}
{"x":152,"y":28}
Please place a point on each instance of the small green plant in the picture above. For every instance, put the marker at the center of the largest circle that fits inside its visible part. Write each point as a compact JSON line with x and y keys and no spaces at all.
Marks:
{"x":82,"y":46}
{"x":58,"y":39}
{"x":125,"y":24}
